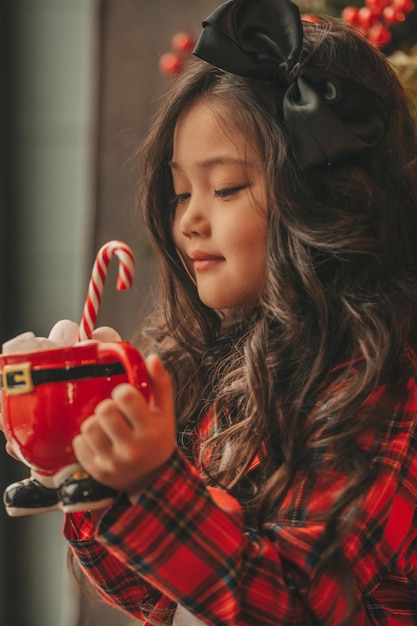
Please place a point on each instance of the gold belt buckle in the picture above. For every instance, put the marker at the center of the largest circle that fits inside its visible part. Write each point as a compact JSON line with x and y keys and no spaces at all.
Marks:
{"x":17,"y":379}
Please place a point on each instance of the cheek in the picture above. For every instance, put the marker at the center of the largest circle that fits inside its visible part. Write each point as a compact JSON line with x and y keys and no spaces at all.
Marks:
{"x":256,"y":246}
{"x":176,"y":230}
{"x":178,"y":239}
{"x":253,"y":240}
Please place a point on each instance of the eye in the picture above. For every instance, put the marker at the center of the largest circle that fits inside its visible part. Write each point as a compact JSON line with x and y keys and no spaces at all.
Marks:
{"x":179,"y":198}
{"x":228,"y":192}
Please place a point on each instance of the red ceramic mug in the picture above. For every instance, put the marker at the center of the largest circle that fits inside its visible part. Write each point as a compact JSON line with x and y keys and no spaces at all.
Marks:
{"x":46,"y":395}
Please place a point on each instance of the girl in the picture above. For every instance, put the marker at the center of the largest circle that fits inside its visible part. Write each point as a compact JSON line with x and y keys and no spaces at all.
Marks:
{"x":272,"y":479}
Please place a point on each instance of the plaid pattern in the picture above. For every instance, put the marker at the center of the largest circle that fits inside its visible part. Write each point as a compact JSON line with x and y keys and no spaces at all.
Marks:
{"x":188,"y":542}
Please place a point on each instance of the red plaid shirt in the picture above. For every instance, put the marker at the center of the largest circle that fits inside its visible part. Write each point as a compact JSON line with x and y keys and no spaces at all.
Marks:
{"x":188,"y":542}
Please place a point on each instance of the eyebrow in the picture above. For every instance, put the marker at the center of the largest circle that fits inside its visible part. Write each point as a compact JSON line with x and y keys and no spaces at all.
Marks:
{"x":219,"y":160}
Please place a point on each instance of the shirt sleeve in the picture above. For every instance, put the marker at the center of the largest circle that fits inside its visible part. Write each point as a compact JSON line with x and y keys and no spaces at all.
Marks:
{"x":187,"y":541}
{"x":115,"y":582}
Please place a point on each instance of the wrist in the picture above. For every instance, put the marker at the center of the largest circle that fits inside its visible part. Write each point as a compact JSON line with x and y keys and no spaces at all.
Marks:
{"x":134,"y":492}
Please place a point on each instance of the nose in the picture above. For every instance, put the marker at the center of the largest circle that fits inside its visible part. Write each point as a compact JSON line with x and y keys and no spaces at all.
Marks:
{"x":193,"y":219}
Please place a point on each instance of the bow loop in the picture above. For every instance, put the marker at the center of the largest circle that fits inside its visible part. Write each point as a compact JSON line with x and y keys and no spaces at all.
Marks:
{"x":246,"y":35}
{"x":329,"y":117}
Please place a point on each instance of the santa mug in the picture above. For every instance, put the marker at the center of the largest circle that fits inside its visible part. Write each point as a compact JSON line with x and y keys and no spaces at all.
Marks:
{"x":47,"y":394}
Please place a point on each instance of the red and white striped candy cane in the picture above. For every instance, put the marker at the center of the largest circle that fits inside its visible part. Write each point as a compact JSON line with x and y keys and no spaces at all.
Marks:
{"x":98,"y":275}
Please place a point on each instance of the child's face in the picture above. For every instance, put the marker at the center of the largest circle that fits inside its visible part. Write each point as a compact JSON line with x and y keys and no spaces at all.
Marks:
{"x":220,"y":223}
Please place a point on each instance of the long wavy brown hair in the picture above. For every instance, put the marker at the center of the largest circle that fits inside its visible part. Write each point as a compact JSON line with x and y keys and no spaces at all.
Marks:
{"x":338,"y":305}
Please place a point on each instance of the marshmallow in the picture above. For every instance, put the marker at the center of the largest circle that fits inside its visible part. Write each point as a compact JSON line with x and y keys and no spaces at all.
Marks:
{"x":106,"y":333}
{"x":27,"y":342}
{"x":64,"y":333}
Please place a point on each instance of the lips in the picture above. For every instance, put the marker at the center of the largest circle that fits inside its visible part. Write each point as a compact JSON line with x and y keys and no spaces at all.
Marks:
{"x":203,"y":260}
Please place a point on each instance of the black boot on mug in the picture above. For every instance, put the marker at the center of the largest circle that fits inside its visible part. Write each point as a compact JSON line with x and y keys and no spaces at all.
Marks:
{"x":80,"y":492}
{"x":28,"y":497}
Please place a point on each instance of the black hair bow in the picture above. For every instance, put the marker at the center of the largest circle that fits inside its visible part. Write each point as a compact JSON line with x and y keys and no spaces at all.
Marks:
{"x":329,"y":117}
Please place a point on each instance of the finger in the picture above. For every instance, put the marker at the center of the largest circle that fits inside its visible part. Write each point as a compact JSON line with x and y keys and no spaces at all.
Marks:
{"x":112,"y":421}
{"x":93,"y":433}
{"x":132,"y":403}
{"x":84,"y":453}
{"x":11,"y":452}
{"x":160,"y":383}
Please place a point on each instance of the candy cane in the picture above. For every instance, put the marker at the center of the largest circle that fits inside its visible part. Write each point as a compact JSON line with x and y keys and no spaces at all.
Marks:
{"x":98,"y":275}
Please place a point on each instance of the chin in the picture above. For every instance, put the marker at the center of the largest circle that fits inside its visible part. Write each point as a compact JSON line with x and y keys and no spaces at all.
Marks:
{"x":224,"y":306}
{"x":226,"y":301}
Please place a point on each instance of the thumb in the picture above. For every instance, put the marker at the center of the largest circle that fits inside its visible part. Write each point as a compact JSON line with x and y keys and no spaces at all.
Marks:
{"x":160,"y":383}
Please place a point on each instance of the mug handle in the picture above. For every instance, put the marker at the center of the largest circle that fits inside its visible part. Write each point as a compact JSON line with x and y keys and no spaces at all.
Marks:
{"x":131,"y":360}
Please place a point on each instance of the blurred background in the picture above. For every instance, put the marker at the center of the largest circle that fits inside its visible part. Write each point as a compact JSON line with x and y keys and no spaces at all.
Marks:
{"x":79,"y":81}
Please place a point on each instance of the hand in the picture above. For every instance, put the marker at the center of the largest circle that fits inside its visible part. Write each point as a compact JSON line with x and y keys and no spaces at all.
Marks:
{"x":127,"y":439}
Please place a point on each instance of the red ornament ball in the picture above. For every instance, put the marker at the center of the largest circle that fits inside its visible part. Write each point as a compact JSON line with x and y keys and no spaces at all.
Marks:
{"x":406,"y":6}
{"x":183,"y":42}
{"x":350,"y":15}
{"x":392,"y":16}
{"x":170,"y":64}
{"x":366,"y":17}
{"x":379,"y":35}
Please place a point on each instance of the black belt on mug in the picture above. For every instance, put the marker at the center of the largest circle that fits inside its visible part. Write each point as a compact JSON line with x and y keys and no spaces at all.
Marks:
{"x":21,"y":378}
